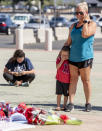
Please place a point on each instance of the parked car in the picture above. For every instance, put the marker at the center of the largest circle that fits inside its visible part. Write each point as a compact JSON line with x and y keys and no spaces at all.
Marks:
{"x":97,"y":15}
{"x":58,"y":22}
{"x":92,"y":17}
{"x":37,"y":22}
{"x":34,"y":9}
{"x":21,"y":19}
{"x":48,"y":9}
{"x":99,"y":22}
{"x":4,"y":15}
{"x":71,"y":21}
{"x":5,"y":23}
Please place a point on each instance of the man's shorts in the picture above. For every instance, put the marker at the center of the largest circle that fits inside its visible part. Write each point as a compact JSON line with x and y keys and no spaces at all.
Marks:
{"x":82,"y":64}
{"x":62,"y":88}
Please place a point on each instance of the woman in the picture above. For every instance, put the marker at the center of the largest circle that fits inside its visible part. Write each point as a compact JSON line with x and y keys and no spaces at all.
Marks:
{"x":19,"y":70}
{"x":80,"y":40}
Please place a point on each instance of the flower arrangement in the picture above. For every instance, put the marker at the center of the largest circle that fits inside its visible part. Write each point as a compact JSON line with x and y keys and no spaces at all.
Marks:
{"x":33,"y":115}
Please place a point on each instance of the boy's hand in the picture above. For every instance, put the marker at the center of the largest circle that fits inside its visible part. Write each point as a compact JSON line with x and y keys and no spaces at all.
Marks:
{"x":15,"y":73}
{"x":63,"y":59}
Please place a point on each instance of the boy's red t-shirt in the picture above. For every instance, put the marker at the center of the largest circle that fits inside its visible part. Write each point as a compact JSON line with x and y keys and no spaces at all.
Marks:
{"x":63,"y":73}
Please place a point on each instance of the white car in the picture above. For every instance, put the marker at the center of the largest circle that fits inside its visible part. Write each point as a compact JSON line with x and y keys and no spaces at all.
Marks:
{"x":97,"y":15}
{"x":37,"y":22}
{"x":72,"y":20}
{"x":99,"y":22}
{"x":21,"y":19}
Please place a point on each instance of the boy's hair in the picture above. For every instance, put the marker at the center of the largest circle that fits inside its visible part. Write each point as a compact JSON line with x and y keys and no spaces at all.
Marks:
{"x":65,"y":48}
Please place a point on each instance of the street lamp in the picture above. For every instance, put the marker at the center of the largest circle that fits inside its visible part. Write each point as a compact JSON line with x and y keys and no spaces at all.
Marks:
{"x":55,"y":8}
{"x":42,"y":2}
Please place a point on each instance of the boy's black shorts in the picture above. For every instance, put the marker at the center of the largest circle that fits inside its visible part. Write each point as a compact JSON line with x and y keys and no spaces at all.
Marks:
{"x":62,"y":88}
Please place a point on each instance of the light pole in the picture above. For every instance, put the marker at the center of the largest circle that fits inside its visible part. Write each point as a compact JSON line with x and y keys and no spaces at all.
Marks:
{"x":40,"y":12}
{"x":54,"y":3}
{"x":55,"y":9}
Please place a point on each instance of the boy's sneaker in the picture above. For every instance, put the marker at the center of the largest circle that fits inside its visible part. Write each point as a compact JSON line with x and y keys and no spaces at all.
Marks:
{"x":70,"y":107}
{"x":25,"y":84}
{"x":88,"y":107}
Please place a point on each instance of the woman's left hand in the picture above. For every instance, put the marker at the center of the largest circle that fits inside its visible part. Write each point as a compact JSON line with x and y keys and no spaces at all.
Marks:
{"x":89,"y":26}
{"x":86,"y":17}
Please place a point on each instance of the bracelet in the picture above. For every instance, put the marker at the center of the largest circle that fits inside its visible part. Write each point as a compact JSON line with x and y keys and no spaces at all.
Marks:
{"x":85,"y":21}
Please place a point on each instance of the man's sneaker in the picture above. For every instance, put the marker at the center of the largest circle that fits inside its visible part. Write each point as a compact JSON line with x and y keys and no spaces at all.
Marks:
{"x":70,"y":107}
{"x":88,"y":107}
{"x":25,"y":84}
{"x":11,"y":84}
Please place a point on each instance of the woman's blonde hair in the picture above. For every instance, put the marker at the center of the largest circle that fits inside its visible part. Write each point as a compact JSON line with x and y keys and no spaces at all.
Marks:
{"x":82,"y":5}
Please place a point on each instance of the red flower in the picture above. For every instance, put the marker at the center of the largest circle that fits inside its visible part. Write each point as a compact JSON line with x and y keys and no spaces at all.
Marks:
{"x":64,"y":118}
{"x":29,"y":115}
{"x":29,"y":121}
{"x":33,"y":117}
{"x":22,"y":105}
{"x":21,"y":108}
{"x":2,"y":114}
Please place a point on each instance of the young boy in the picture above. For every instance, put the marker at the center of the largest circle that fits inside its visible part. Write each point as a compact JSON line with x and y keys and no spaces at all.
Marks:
{"x":62,"y":77}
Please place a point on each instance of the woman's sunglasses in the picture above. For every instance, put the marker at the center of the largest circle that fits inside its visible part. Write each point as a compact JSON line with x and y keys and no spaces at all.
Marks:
{"x":77,"y":13}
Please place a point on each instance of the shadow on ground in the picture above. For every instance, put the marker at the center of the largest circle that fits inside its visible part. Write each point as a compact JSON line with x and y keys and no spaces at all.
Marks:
{"x":56,"y":45}
{"x":94,"y":108}
{"x":4,"y":84}
{"x":77,"y":107}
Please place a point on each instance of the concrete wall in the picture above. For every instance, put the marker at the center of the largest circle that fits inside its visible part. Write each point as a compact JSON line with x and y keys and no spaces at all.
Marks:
{"x":41,"y":35}
{"x":28,"y":36}
{"x":98,"y":33}
{"x":60,"y":33}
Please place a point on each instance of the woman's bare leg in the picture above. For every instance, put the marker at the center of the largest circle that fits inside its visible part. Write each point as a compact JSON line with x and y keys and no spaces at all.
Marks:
{"x":73,"y":82}
{"x":85,"y":77}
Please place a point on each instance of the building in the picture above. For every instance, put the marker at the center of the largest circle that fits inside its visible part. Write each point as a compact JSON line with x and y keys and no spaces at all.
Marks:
{"x":94,"y":6}
{"x":94,"y":3}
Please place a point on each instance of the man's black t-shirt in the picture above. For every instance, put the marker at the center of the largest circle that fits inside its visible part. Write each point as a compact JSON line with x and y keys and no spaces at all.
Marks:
{"x":26,"y":65}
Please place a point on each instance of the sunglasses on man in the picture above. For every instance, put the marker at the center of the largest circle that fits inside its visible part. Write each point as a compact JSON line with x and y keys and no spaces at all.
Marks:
{"x":79,"y":13}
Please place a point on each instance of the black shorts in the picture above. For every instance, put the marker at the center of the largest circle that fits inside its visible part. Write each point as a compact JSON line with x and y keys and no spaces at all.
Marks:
{"x":62,"y":88}
{"x":82,"y":64}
